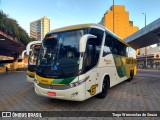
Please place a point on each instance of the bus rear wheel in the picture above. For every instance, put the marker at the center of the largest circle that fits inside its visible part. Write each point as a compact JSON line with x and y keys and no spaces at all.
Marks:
{"x":105,"y":87}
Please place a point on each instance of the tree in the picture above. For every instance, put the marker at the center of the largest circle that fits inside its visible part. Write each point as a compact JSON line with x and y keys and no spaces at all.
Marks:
{"x":12,"y":28}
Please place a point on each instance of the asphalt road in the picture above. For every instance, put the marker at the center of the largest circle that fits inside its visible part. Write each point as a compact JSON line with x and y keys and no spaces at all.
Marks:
{"x":141,"y":94}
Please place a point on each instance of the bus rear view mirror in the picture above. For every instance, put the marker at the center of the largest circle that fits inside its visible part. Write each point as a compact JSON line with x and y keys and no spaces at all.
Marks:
{"x":30,"y":44}
{"x":23,"y":54}
{"x":83,"y":42}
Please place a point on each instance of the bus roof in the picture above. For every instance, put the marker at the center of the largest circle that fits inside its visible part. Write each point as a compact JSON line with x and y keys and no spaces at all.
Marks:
{"x":80,"y":26}
{"x":73,"y":27}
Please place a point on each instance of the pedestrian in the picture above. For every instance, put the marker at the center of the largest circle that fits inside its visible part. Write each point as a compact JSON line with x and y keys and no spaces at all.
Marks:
{"x":6,"y":70}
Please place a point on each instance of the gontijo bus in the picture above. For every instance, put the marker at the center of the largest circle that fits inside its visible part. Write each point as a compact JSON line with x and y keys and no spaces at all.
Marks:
{"x":81,"y":61}
{"x":32,"y":51}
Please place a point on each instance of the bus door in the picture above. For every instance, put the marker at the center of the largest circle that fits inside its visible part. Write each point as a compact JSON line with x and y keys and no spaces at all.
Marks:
{"x":93,"y":48}
{"x":90,"y":68}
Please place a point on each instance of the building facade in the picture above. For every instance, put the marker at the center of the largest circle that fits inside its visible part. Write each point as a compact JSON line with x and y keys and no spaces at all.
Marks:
{"x":39,"y":28}
{"x":117,"y":20}
{"x":153,"y":57}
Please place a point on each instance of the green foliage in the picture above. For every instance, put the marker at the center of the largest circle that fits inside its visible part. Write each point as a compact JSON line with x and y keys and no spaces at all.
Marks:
{"x":11,"y":27}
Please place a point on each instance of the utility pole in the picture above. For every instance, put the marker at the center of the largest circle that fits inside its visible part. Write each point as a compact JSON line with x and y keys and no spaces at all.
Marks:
{"x":113,"y":15}
{"x":146,"y":46}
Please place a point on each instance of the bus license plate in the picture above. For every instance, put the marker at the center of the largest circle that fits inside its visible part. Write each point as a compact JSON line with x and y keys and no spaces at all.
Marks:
{"x":51,"y":93}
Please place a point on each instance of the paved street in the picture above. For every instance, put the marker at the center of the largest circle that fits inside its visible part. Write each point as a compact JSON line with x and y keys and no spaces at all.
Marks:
{"x":141,"y":94}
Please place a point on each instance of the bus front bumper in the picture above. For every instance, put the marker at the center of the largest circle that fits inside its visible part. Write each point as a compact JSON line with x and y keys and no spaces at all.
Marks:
{"x":73,"y":94}
{"x":29,"y":79}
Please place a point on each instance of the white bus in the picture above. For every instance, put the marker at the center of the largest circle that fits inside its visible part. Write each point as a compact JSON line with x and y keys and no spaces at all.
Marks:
{"x":32,"y":50}
{"x":81,"y":61}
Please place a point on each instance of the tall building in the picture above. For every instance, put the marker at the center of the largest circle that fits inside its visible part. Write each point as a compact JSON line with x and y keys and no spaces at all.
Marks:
{"x":122,"y":26}
{"x":39,"y":28}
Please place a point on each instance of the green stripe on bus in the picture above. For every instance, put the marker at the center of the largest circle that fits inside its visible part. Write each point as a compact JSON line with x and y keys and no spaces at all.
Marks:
{"x":63,"y":80}
{"x":120,"y":66}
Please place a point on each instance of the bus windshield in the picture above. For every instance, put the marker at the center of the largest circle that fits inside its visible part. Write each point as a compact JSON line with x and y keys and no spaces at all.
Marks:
{"x":59,"y":54}
{"x":33,"y":56}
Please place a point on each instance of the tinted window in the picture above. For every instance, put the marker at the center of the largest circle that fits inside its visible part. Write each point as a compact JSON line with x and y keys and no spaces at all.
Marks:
{"x":115,"y":46}
{"x":93,"y":48}
{"x":98,"y":33}
{"x":131,"y":53}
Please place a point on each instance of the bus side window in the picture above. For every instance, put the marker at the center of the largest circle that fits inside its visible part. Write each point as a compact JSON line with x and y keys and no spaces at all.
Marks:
{"x":93,"y":48}
{"x":131,"y":53}
{"x":98,"y":42}
{"x":89,"y":60}
{"x":122,"y":49}
{"x":116,"y":47}
{"x":107,"y":45}
{"x":127,"y":51}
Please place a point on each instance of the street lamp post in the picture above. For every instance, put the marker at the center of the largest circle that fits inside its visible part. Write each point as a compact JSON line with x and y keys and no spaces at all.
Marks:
{"x":145,"y":47}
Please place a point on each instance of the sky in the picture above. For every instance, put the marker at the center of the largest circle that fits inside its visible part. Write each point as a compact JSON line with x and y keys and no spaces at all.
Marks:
{"x":69,"y":12}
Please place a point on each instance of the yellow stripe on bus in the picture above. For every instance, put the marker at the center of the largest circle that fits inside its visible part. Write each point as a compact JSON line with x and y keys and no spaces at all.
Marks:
{"x":31,"y":73}
{"x":44,"y":80}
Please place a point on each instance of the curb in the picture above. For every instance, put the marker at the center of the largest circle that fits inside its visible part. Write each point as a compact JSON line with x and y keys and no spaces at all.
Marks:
{"x":158,"y":70}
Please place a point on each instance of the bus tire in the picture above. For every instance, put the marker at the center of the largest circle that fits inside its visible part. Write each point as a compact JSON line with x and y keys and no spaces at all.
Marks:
{"x":105,"y":87}
{"x":131,"y":75}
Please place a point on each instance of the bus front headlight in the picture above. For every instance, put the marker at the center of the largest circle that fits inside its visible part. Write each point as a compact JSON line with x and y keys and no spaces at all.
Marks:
{"x":75,"y":84}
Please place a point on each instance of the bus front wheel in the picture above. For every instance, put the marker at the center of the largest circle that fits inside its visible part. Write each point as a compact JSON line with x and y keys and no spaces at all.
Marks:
{"x":105,"y":87}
